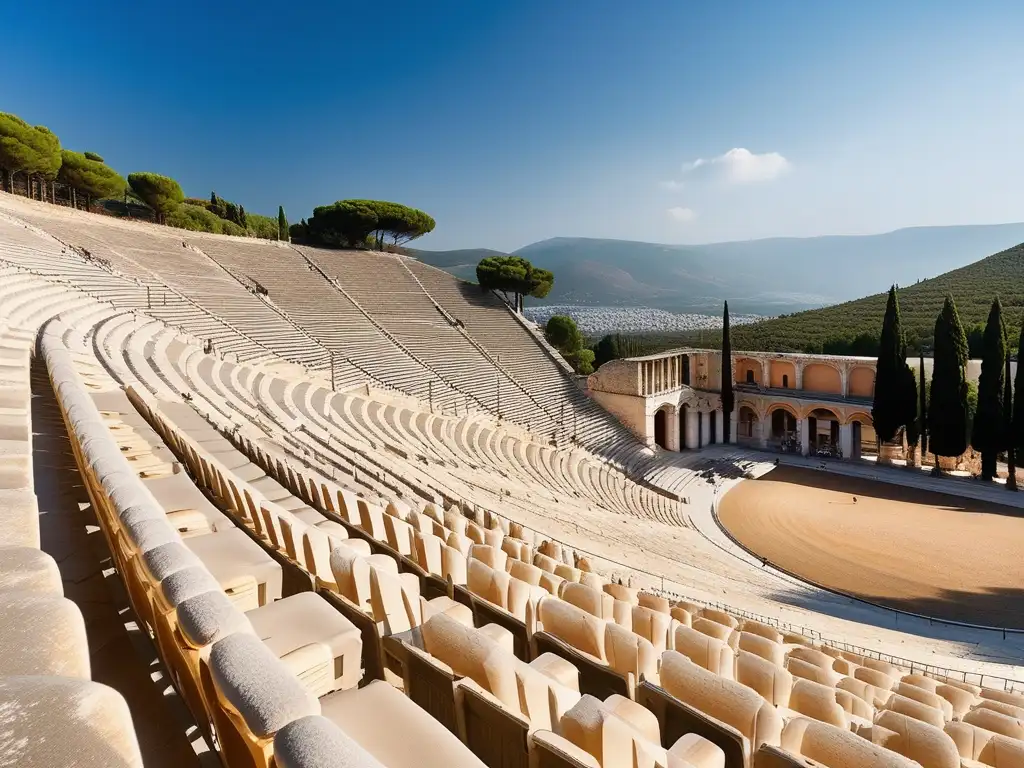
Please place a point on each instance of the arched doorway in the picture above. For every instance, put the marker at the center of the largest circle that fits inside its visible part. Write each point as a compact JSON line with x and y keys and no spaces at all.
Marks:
{"x":823,"y":432}
{"x":713,"y":428}
{"x":660,"y":430}
{"x":865,"y":442}
{"x":783,"y":429}
{"x":747,"y":425}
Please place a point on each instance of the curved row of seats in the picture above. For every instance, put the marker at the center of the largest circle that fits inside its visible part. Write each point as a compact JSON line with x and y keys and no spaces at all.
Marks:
{"x":536,"y":391}
{"x":54,"y":714}
{"x":464,"y":448}
{"x":375,"y":565}
{"x":563,"y":631}
{"x":253,"y":657}
{"x":564,"y":582}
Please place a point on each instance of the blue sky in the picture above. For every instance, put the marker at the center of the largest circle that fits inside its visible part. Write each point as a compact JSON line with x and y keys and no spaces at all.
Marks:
{"x":512,"y":122}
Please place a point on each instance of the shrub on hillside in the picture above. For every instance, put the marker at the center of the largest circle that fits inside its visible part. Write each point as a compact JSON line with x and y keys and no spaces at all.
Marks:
{"x":90,"y":177}
{"x":161,"y":193}
{"x":194,"y":218}
{"x":32,"y":149}
{"x":261,"y":226}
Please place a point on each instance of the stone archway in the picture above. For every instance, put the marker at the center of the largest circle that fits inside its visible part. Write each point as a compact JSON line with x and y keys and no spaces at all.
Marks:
{"x":864,"y":441}
{"x":782,"y":421}
{"x":823,"y":431}
{"x":661,"y":428}
{"x":748,"y":425}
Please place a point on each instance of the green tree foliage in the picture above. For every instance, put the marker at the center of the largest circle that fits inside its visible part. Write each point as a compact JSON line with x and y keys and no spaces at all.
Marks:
{"x":299,"y":233}
{"x":193,"y":218}
{"x":90,"y":177}
{"x":948,"y":401}
{"x":562,"y":332}
{"x":161,"y":193}
{"x":893,"y":406}
{"x":31,"y":149}
{"x":282,"y":224}
{"x":399,"y":222}
{"x":909,"y":392}
{"x":514,"y":276}
{"x":616,"y":346}
{"x":94,"y":156}
{"x":230,"y":228}
{"x":1011,"y":451}
{"x":261,"y":226}
{"x":987,"y":432}
{"x":197,"y":218}
{"x":922,"y":407}
{"x":366,"y":224}
{"x":728,"y":398}
{"x":346,"y":223}
{"x":1016,"y":437}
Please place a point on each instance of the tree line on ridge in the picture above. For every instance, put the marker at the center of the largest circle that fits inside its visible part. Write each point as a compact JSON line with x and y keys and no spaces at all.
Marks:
{"x":35,"y":153}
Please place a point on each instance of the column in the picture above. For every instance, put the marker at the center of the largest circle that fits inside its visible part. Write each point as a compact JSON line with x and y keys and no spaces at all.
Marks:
{"x":764,"y":423}
{"x":799,"y":374}
{"x":691,"y":427}
{"x":672,"y":429}
{"x":649,"y":430}
{"x":733,"y":428}
{"x":805,"y":436}
{"x":720,"y":427}
{"x":766,"y":372}
{"x":846,"y":440}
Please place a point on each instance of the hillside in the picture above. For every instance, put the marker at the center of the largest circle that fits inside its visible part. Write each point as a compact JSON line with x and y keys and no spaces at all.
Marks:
{"x":767,"y":277}
{"x":461,"y":263}
{"x":972,"y":287}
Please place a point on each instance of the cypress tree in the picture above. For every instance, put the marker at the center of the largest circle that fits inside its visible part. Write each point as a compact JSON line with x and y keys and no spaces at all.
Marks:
{"x":988,"y":430}
{"x":282,"y":224}
{"x":888,"y":411}
{"x":947,"y":417}
{"x":728,"y":398}
{"x":1011,"y":453}
{"x":242,"y":220}
{"x":910,"y":396}
{"x":1016,"y":436}
{"x":922,"y":409}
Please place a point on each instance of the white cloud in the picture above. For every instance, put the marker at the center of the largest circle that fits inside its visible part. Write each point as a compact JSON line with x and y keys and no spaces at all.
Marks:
{"x":739,"y":166}
{"x":681,"y":214}
{"x":672,"y":186}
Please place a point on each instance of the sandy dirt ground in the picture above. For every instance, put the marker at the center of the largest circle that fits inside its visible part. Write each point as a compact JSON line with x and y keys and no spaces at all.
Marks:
{"x":933,"y":554}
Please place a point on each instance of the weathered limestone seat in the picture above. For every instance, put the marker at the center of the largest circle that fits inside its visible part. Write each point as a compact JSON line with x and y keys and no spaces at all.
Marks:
{"x":19,"y":516}
{"x":30,"y":570}
{"x":59,"y":721}
{"x":42,"y":634}
{"x":232,"y":557}
{"x":316,"y":742}
{"x":837,"y":747}
{"x":926,"y":744}
{"x":373,"y":716}
{"x":288,"y":625}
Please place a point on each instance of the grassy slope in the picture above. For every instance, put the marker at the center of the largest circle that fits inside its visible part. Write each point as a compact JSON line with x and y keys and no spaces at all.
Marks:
{"x":972,"y":287}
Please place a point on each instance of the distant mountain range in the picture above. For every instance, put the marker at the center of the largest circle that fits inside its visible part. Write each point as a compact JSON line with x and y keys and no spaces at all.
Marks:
{"x":773,"y":276}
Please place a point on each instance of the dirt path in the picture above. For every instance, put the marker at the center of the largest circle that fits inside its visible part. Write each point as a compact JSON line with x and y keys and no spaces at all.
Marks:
{"x":929,"y":553}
